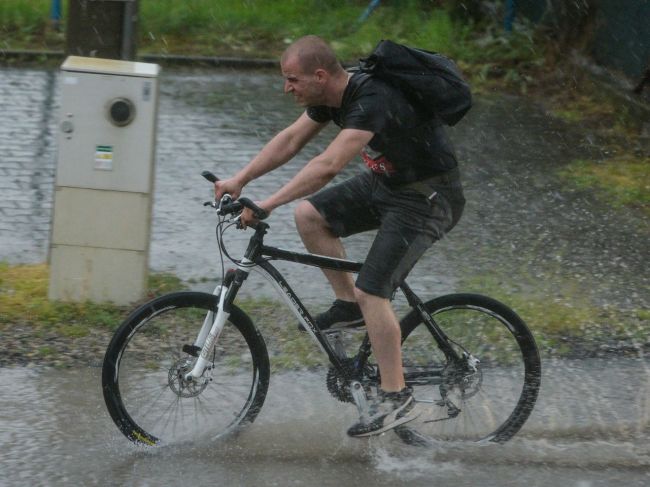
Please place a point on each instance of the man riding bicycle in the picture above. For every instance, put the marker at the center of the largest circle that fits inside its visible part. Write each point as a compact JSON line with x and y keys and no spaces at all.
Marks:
{"x":410,"y":193}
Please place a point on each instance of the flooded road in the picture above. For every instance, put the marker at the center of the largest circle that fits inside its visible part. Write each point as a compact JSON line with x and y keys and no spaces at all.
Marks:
{"x":589,"y":428}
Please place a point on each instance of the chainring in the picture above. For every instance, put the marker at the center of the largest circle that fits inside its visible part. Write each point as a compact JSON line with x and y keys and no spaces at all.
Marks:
{"x":339,"y":387}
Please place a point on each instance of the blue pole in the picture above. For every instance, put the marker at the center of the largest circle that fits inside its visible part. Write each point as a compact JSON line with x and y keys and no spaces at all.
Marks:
{"x":511,"y":11}
{"x":55,"y":14}
{"x":56,"y":10}
{"x":372,"y":6}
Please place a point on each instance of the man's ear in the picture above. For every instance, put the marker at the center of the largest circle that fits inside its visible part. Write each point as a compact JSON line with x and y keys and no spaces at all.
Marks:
{"x":321,"y":75}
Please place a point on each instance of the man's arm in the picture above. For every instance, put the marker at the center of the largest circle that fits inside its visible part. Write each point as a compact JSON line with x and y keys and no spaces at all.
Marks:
{"x":320,"y":170}
{"x":275,"y":153}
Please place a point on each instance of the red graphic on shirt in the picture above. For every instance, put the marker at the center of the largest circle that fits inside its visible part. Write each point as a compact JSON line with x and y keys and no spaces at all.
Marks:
{"x":379,"y":165}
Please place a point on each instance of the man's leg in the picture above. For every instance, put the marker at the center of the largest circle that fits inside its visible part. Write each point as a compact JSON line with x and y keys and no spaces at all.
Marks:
{"x":385,"y":338}
{"x":394,"y":405}
{"x":319,"y":239}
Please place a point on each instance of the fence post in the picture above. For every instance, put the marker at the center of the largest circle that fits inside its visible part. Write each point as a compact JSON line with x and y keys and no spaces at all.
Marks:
{"x":511,"y":12}
{"x":102,"y":28}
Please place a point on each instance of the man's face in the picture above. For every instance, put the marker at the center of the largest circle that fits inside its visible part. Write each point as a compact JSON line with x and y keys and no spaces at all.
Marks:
{"x":307,"y":88}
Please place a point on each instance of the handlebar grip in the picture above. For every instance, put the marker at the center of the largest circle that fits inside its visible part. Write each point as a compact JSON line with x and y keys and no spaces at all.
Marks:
{"x":209,"y":176}
{"x":233,"y":207}
{"x":259,"y":213}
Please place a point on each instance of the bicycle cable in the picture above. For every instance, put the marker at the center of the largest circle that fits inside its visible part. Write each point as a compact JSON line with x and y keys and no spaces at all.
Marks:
{"x":219,"y":244}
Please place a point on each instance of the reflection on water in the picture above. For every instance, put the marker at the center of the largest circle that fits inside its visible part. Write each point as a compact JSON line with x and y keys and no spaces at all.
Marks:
{"x":590,"y":427}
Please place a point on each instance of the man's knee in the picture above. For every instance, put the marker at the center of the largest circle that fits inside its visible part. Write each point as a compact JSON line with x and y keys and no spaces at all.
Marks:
{"x":307,"y":216}
{"x":364,"y":298}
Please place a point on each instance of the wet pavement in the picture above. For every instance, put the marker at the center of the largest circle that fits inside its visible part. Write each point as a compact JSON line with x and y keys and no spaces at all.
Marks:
{"x":589,"y":428}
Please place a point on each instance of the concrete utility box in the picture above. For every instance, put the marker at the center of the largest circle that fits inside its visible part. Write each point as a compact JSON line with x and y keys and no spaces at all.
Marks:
{"x":104,"y":183}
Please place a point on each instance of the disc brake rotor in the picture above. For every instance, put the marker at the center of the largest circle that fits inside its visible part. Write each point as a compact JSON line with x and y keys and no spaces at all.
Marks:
{"x":181,"y":386}
{"x":464,"y":379}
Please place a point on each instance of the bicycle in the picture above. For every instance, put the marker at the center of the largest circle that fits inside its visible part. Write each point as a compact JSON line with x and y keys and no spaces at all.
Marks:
{"x":193,"y":363}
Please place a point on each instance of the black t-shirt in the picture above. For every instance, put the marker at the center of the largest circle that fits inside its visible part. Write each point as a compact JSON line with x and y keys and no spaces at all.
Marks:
{"x":403,"y":149}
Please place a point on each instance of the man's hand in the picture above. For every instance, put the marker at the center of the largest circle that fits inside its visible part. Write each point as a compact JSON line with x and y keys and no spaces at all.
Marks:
{"x":231,"y":186}
{"x":247,"y":218}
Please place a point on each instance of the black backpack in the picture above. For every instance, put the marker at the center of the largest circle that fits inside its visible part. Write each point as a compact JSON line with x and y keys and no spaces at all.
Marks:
{"x":430,"y":81}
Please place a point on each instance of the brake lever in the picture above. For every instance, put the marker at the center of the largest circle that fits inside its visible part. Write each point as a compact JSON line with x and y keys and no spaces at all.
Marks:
{"x":209,"y":176}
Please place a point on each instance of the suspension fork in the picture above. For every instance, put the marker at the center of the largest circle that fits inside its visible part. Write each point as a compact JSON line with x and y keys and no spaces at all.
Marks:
{"x":232,"y":282}
{"x":213,"y":326}
{"x":207,"y":323}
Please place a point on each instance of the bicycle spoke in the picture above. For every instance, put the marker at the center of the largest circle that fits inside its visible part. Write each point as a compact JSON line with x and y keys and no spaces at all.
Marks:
{"x":153,"y":367}
{"x":474,"y":398}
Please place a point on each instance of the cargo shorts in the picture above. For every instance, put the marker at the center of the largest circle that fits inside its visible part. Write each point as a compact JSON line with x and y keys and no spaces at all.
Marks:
{"x":408,"y":220}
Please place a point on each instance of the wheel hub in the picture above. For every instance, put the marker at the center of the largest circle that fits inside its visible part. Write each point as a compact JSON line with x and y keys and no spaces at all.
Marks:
{"x":464,"y":378}
{"x":180,"y":385}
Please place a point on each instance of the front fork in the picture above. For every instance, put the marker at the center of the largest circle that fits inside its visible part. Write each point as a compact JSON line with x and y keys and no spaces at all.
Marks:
{"x":212,"y":327}
{"x":210,"y":331}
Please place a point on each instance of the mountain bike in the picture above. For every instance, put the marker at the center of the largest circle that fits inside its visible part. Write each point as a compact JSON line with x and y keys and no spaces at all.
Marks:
{"x":190,"y":364}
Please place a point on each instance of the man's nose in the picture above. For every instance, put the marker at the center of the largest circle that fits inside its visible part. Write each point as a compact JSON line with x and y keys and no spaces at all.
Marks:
{"x":287,"y":87}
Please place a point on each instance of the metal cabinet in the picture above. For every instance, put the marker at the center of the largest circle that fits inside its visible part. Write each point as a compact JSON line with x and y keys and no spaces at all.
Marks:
{"x":104,"y":182}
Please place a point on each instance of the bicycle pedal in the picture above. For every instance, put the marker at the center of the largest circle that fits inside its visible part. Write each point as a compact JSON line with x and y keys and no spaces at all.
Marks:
{"x":192,"y":350}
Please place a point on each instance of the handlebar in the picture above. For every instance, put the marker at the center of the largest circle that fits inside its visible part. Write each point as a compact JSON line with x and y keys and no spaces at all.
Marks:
{"x":228,"y":207}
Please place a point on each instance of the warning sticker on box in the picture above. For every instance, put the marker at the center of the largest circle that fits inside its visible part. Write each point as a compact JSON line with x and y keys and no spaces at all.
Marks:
{"x":104,"y":158}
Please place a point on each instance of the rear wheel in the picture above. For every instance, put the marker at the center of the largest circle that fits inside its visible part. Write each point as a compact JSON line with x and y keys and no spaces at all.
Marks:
{"x":143,"y":376}
{"x":489,"y":393}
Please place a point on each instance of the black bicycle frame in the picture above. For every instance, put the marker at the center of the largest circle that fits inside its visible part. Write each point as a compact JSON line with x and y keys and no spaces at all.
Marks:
{"x":258,"y":255}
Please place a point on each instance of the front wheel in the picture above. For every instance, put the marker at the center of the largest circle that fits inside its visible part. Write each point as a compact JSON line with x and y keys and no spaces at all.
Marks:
{"x":143,"y":376}
{"x":487,"y":393}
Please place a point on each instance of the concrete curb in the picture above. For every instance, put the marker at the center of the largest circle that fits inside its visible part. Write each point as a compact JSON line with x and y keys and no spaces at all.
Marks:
{"x":9,"y":57}
{"x":30,"y":57}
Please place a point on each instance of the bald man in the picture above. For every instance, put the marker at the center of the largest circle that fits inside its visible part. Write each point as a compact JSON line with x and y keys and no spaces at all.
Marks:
{"x":410,"y":193}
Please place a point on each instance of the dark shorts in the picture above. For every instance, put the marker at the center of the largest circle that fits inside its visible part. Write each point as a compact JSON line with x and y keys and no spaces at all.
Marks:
{"x":409,"y":220}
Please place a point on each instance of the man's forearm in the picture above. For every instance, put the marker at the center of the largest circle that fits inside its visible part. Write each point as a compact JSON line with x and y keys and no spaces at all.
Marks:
{"x":322,"y":168}
{"x":277,"y":152}
{"x":316,"y":174}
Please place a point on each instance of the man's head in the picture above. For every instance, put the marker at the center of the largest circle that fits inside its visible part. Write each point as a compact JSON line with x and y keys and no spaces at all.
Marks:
{"x":311,"y":71}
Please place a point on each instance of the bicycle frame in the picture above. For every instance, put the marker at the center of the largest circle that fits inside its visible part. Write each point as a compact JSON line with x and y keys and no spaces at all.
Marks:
{"x":257,"y":257}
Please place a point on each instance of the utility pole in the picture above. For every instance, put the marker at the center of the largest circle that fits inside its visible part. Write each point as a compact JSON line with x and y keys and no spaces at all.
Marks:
{"x":102,"y":28}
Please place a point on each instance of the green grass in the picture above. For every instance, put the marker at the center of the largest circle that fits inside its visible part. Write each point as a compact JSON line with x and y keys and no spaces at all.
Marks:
{"x":24,"y":303}
{"x":561,"y":319}
{"x":23,"y":300}
{"x":24,"y":16}
{"x":288,"y":348}
{"x":622,"y":182}
{"x":263,"y":28}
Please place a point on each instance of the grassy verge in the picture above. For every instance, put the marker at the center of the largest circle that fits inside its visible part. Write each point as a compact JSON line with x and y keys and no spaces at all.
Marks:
{"x":563,"y":322}
{"x":35,"y":330}
{"x":264,"y":27}
{"x":622,"y":181}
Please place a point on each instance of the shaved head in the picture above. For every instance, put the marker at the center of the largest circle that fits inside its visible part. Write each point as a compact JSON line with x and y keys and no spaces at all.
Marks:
{"x":312,"y":53}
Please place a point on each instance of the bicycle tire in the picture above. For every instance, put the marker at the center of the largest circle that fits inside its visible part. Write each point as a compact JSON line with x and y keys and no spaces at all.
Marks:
{"x":140,"y":377}
{"x":490,"y":404}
